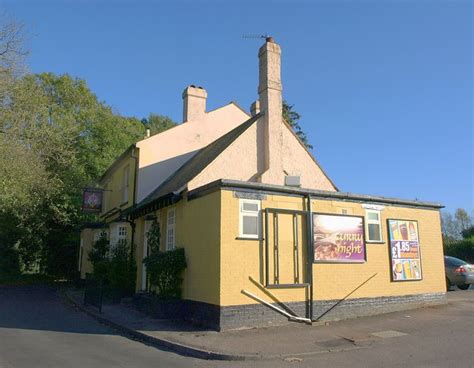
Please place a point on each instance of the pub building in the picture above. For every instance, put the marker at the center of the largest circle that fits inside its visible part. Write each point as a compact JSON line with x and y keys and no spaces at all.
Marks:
{"x":268,"y":237}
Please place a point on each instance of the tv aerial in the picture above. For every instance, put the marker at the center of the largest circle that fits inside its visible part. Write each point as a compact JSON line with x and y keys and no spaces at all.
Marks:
{"x":266,"y":36}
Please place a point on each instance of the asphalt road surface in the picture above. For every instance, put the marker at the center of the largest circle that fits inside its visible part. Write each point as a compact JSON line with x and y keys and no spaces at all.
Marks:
{"x":38,"y":330}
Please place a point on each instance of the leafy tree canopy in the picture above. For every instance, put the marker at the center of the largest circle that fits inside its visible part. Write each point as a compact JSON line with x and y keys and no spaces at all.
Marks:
{"x":158,"y":123}
{"x":56,"y":137}
{"x":292,"y":118}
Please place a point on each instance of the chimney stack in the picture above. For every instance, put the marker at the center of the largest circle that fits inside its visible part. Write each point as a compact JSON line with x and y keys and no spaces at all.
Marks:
{"x":255,"y":108}
{"x":270,"y":98}
{"x":194,"y":103}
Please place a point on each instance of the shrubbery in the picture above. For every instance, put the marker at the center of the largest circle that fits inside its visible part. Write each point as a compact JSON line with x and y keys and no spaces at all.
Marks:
{"x":9,"y":261}
{"x":165,"y":269}
{"x":464,"y":248}
{"x":114,"y":267}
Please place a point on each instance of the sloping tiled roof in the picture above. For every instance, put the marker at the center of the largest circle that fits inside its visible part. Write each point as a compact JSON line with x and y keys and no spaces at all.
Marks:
{"x":191,"y":168}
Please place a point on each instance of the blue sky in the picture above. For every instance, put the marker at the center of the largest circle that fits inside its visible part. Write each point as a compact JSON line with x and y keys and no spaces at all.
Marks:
{"x":385,"y":88}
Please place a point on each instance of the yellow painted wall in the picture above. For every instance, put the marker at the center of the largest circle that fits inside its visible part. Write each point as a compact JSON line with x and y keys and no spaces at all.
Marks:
{"x":85,"y":264}
{"x":198,"y":232}
{"x":240,"y":259}
{"x":113,"y":185}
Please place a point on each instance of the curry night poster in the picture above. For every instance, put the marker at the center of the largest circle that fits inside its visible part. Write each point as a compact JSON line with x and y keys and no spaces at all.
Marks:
{"x":338,"y":239}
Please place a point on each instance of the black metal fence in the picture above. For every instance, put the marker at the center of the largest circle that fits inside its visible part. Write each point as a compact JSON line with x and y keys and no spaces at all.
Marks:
{"x":94,"y":292}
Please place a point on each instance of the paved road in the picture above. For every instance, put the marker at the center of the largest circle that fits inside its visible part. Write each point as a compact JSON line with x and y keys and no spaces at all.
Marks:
{"x":38,"y":330}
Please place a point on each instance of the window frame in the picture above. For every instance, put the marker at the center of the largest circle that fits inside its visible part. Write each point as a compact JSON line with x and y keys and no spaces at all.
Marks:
{"x":170,"y":227}
{"x":122,"y":238}
{"x":246,"y":213}
{"x":378,"y":222}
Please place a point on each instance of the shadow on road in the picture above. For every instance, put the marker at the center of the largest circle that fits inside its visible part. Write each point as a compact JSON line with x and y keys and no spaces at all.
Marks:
{"x":39,"y":307}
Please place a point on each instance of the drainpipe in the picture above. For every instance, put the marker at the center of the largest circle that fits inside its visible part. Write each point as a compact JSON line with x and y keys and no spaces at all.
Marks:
{"x":132,"y":222}
{"x":310,"y":254}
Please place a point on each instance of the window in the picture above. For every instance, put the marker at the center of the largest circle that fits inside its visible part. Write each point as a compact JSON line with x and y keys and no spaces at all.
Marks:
{"x":373,"y":226}
{"x":122,"y":234}
{"x":170,"y":229}
{"x":249,"y":218}
{"x":125,"y":180}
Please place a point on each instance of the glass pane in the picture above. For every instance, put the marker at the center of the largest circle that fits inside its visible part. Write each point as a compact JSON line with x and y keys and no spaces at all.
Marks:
{"x":374,"y":232}
{"x":250,"y":225}
{"x":246,"y":206}
{"x":373,"y":216}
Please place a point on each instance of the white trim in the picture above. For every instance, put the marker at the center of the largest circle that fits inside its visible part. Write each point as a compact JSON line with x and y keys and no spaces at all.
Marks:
{"x":369,"y":221}
{"x":249,"y":213}
{"x":120,"y":232}
{"x":376,"y":207}
{"x":171,"y":229}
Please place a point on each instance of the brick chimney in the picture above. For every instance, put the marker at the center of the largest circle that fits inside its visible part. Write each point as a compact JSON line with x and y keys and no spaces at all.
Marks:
{"x":270,"y":98}
{"x":194,"y":103}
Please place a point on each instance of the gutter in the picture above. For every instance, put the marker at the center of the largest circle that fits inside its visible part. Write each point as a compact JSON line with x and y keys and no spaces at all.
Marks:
{"x":302,"y":192}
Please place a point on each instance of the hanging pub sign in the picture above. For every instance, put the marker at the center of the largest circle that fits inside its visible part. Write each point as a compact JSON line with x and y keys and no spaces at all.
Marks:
{"x":405,"y":255}
{"x":92,"y":200}
{"x":338,"y":238}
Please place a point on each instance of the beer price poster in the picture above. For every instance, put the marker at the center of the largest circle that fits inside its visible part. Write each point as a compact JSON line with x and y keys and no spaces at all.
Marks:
{"x":405,"y":255}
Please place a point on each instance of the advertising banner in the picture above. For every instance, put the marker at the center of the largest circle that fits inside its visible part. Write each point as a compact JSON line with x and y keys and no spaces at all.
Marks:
{"x":404,"y":250}
{"x":92,"y":200}
{"x":338,"y":238}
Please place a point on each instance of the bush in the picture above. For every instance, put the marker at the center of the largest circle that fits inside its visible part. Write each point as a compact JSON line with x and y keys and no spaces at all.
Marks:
{"x":463,"y":249}
{"x":165,"y":270}
{"x":121,"y":273}
{"x":114,"y":267}
{"x":9,"y":261}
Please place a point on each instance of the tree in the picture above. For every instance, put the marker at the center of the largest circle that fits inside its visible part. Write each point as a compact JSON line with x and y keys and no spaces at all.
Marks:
{"x":12,"y":54}
{"x":292,"y":118}
{"x":448,"y":226}
{"x":158,"y":123}
{"x":454,"y":226}
{"x":463,"y":220}
{"x":57,"y":138}
{"x":458,"y":235}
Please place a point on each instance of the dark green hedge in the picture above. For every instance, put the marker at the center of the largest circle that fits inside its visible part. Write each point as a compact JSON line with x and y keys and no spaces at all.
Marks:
{"x":165,"y":271}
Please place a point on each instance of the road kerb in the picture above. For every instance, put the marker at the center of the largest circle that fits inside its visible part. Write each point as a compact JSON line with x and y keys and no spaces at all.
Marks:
{"x":187,"y":350}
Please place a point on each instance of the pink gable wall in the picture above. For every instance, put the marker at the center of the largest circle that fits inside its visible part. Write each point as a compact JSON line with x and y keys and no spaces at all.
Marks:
{"x":162,"y":154}
{"x":240,"y":161}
